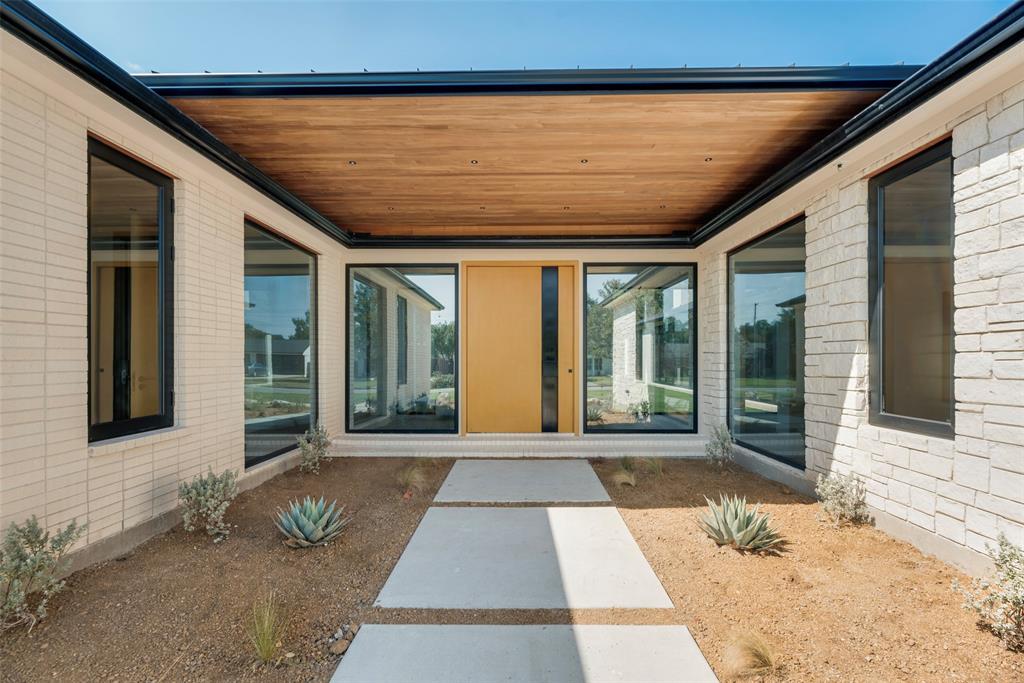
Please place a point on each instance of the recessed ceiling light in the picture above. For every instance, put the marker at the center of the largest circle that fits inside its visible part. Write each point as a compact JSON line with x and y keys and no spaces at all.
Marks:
{"x":583,"y":161}
{"x":482,"y":208}
{"x":662,"y":206}
{"x":391,"y":208}
{"x":565,"y":208}
{"x":707,"y":158}
{"x":473,"y":161}
{"x":351,"y":162}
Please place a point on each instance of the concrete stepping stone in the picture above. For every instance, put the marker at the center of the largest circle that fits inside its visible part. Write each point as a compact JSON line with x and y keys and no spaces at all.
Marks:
{"x":522,"y":558}
{"x":523,"y":654}
{"x":522,"y":481}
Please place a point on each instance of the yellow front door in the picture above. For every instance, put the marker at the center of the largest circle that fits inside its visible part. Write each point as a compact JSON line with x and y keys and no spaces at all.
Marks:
{"x":519,"y":348}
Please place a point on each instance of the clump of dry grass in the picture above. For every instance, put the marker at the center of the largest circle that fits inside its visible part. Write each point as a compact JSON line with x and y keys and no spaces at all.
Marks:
{"x":412,"y":480}
{"x":266,"y":627}
{"x":626,"y":474}
{"x":653,"y":466}
{"x":749,"y":653}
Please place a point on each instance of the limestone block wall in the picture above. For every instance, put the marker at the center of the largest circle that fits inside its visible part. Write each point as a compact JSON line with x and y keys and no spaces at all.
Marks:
{"x":965,"y":490}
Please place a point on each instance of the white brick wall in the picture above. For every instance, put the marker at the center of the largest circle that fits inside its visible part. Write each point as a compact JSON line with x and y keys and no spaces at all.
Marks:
{"x":47,"y":466}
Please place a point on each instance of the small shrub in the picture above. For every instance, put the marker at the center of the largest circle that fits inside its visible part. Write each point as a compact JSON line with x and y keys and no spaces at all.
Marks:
{"x":842,"y":498}
{"x":411,"y":479}
{"x":30,"y":563}
{"x":313,"y":445}
{"x":718,"y":449}
{"x":205,"y":499}
{"x":641,"y":411}
{"x":731,"y":523}
{"x":749,"y":653}
{"x":266,"y":627}
{"x":999,"y":601}
{"x":311,"y":523}
{"x":595,"y":415}
{"x":443,"y":381}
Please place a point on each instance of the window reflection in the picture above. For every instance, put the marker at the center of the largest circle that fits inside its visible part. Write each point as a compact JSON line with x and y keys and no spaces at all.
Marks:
{"x":279,"y":344}
{"x":766,"y":353}
{"x":402,"y":341}
{"x":129,"y":296}
{"x":917,"y":345}
{"x":640,"y":348}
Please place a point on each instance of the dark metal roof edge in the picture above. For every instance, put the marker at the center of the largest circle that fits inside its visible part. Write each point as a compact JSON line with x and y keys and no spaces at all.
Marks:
{"x":989,"y":41}
{"x":529,"y":82}
{"x":364,"y":241}
{"x":33,"y":26}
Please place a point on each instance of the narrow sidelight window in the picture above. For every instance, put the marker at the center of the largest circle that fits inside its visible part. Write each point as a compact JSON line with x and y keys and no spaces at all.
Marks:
{"x":911,"y":294}
{"x":402,"y":332}
{"x":130,"y":279}
{"x":280,"y":344}
{"x":640,"y":346}
{"x":766,"y":344}
{"x":403,"y":340}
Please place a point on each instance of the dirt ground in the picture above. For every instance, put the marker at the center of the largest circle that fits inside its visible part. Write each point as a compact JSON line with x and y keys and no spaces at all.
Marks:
{"x":175,"y":608}
{"x":838,"y":605}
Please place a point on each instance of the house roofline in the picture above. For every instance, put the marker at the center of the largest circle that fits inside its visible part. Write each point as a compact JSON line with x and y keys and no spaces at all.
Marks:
{"x":529,"y":82}
{"x":39,"y":30}
{"x":413,"y":287}
{"x":26,"y":21}
{"x":1001,"y":33}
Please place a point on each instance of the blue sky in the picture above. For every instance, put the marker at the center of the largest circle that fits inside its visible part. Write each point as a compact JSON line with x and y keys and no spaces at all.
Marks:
{"x":242,"y":35}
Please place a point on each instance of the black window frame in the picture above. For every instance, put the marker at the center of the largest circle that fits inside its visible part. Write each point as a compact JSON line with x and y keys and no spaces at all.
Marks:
{"x":165,"y":250}
{"x":877,"y":415}
{"x":349,"y":426}
{"x":402,"y":341}
{"x":694,"y":336}
{"x":802,"y":218}
{"x":314,"y":341}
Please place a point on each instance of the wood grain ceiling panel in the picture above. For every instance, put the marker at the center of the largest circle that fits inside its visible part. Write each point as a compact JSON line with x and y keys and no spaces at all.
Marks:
{"x":524,"y":165}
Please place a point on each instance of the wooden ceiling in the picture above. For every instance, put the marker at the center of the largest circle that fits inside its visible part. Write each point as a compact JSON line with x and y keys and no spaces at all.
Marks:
{"x":524,"y":165}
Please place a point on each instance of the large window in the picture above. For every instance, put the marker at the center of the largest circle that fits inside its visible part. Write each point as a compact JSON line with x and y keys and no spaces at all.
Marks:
{"x":402,"y":331}
{"x":640,"y":346}
{"x":766,"y":344}
{"x":280,"y":344}
{"x":911,"y":294}
{"x":130,"y":280}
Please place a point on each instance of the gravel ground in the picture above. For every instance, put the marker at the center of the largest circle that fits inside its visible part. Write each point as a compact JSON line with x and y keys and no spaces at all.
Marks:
{"x":838,"y":605}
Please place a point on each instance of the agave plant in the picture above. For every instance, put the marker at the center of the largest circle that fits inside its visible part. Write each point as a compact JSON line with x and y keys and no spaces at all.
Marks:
{"x":731,"y":523}
{"x":310,"y":522}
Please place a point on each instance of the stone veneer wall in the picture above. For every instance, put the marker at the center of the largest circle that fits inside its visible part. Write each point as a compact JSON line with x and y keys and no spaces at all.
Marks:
{"x":964,"y":490}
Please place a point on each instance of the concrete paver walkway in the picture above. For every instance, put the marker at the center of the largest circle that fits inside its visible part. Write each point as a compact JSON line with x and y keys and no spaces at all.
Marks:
{"x":522,"y":558}
{"x":522,"y":481}
{"x":523,"y":654}
{"x":534,"y":557}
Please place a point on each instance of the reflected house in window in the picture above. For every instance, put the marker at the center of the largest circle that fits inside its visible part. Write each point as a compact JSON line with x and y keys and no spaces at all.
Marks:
{"x":642,"y":378}
{"x":401,"y":369}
